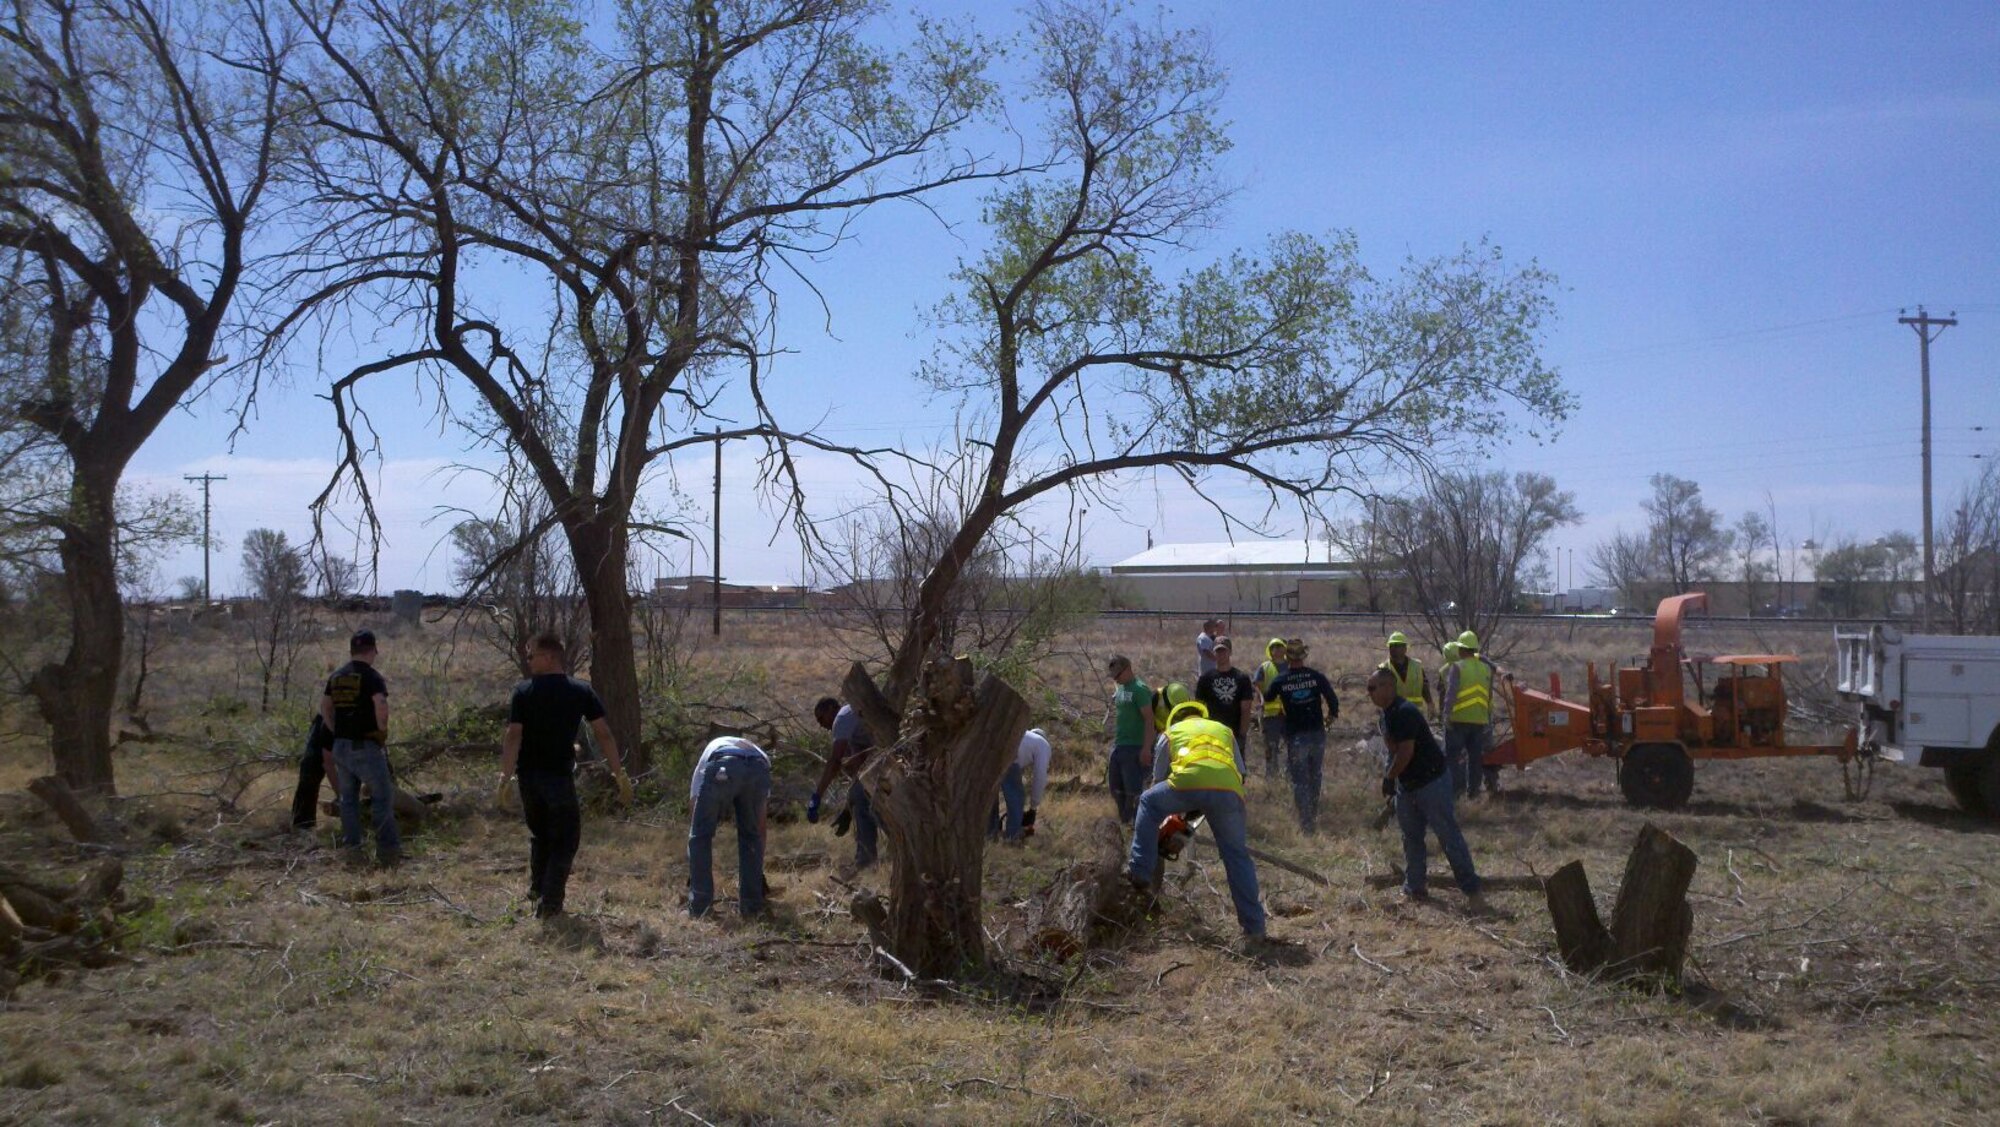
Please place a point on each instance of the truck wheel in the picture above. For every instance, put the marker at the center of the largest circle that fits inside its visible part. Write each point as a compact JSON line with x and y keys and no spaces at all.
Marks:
{"x":1989,"y":781}
{"x":1963,"y":779}
{"x":1660,"y":776}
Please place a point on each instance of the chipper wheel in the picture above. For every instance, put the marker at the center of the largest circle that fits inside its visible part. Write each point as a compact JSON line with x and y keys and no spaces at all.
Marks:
{"x":1660,"y":776}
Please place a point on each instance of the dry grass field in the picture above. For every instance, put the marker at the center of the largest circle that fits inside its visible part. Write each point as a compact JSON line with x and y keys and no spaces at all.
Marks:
{"x":1844,"y":952}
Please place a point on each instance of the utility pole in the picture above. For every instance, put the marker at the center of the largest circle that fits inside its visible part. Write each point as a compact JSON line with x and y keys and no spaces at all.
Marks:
{"x":207,"y":479}
{"x":1928,"y":329}
{"x":715,"y":551}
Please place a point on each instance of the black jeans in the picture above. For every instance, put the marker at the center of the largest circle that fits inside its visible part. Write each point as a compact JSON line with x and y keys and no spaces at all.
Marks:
{"x":305,"y":800}
{"x":555,"y":826}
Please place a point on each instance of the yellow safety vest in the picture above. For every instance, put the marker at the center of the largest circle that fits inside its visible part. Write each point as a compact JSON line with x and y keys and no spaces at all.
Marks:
{"x":1474,"y":703}
{"x":1408,"y":686}
{"x":1201,"y":755}
{"x":1267,"y":673}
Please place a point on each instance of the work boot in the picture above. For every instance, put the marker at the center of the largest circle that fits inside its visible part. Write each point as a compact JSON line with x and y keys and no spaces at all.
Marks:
{"x":389,"y":858}
{"x":353,"y":856}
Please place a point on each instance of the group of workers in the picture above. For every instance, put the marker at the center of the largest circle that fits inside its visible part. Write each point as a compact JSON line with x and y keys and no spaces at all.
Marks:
{"x":1198,"y":763}
{"x":1173,"y":752}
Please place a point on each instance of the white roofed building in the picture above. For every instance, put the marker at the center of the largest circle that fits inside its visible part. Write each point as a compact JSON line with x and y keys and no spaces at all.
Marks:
{"x":1250,"y":575}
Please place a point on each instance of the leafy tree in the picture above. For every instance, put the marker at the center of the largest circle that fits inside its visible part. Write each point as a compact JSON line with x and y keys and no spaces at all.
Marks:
{"x":1687,"y":538}
{"x":275,"y":573}
{"x":137,"y":147}
{"x":1078,"y":349}
{"x":573,"y":210}
{"x":1467,"y":544}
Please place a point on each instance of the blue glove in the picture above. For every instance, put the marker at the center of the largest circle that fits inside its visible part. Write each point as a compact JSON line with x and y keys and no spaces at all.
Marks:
{"x":812,"y":809}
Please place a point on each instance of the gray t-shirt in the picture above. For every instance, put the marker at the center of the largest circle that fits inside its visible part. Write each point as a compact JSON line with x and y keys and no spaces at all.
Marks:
{"x":1204,"y":654}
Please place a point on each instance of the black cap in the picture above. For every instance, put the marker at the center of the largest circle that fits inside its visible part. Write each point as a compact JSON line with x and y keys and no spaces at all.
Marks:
{"x":361,"y":642}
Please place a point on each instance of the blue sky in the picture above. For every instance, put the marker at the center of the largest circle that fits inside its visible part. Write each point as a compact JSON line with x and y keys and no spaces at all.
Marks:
{"x":1737,"y":198}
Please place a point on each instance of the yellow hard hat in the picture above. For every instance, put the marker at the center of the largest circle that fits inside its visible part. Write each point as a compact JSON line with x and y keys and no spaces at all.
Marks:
{"x":1468,"y":641}
{"x":1275,"y":643}
{"x":1177,"y":693}
{"x":1186,"y":709}
{"x":1397,"y":639}
{"x":1450,"y":651}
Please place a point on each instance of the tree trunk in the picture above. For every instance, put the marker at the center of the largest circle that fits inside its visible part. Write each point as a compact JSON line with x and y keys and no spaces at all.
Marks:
{"x":76,"y":696}
{"x":1580,"y":932}
{"x":933,"y":791}
{"x":614,"y":672}
{"x":1650,"y":923}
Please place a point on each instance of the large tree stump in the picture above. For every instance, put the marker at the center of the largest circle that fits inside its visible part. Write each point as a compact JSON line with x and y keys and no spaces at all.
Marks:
{"x":933,"y":789}
{"x":1650,"y":922}
{"x":63,"y":801}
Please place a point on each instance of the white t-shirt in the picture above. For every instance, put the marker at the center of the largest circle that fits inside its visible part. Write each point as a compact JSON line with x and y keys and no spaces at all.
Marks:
{"x":1033,"y":759}
{"x":722,"y":745}
{"x":1204,"y":654}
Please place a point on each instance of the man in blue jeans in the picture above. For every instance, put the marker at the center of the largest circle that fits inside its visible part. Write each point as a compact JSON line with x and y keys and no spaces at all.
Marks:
{"x":852,"y":743}
{"x":1306,"y":697}
{"x":1423,"y":793}
{"x":1201,"y":772}
{"x":355,"y":709}
{"x":732,"y":774}
{"x":1021,"y":789}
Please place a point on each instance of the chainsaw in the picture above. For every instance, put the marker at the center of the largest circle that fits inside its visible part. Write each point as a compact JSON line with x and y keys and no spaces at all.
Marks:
{"x":1175,"y":834}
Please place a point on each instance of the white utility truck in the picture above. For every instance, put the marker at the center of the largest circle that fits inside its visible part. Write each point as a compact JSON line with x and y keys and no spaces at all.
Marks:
{"x":1928,"y":699}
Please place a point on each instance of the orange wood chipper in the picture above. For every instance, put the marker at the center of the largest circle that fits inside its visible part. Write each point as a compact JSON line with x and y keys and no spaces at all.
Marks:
{"x":1657,"y":719}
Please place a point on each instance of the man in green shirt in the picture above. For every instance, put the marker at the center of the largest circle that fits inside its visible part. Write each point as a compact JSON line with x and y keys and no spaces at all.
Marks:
{"x":1131,"y":730}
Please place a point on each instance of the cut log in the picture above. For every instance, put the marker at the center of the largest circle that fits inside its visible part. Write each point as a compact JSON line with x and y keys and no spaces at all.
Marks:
{"x":1580,"y":932}
{"x":63,"y":801}
{"x":1651,"y":921}
{"x":36,"y":910}
{"x":10,"y":925}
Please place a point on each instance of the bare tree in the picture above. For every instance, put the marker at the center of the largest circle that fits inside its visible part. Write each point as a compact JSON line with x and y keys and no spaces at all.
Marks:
{"x":639,"y":169}
{"x":515,"y":569}
{"x":136,"y":150}
{"x":1467,"y":543}
{"x":1075,"y":357}
{"x":276,"y":574}
{"x":1968,"y":557}
{"x":1625,"y":563}
{"x":1755,"y":559}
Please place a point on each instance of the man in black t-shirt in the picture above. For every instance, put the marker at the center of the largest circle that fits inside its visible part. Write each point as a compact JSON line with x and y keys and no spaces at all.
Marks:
{"x":538,"y":749}
{"x":1229,"y":695}
{"x":1423,"y":792}
{"x":355,"y":709}
{"x":1307,"y":701}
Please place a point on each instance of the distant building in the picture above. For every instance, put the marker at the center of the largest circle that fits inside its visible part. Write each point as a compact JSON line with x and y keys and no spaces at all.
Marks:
{"x":1250,"y":576}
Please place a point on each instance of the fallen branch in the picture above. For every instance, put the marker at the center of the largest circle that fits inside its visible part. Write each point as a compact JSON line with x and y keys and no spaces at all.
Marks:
{"x":68,"y":807}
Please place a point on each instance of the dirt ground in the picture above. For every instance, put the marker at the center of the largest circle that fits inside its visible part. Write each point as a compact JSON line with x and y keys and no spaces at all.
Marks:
{"x":1843,"y":955}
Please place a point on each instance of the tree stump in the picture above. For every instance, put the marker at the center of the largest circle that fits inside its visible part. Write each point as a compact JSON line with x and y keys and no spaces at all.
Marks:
{"x":1650,"y":922}
{"x":1090,"y":904}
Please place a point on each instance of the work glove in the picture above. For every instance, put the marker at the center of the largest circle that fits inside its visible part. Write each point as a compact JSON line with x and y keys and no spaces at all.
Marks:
{"x":501,"y":792}
{"x":812,"y":809}
{"x":1028,"y":824}
{"x":843,"y":821}
{"x":1388,"y":788}
{"x":624,"y":782}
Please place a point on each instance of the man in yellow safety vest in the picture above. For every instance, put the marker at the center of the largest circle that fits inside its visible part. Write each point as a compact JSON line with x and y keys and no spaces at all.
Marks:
{"x":1200,"y":772}
{"x":1468,"y":699}
{"x":1411,"y":683}
{"x":1273,"y":723}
